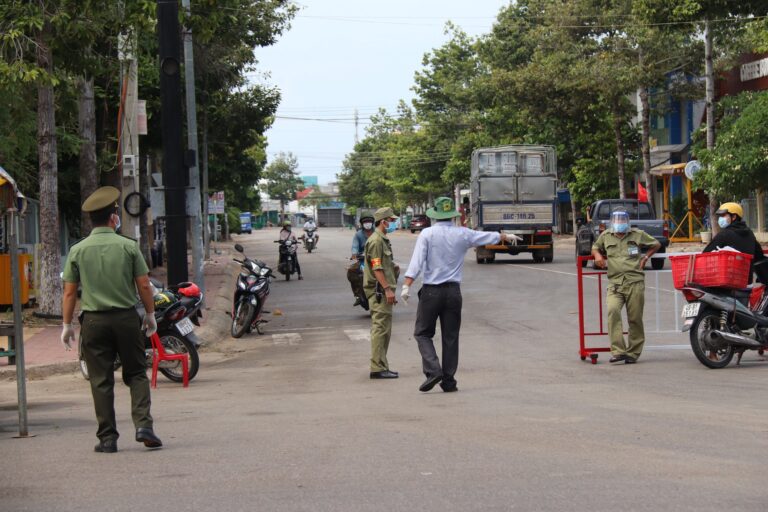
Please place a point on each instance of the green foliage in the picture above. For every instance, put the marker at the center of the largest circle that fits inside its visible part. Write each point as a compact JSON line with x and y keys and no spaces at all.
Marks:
{"x":738,"y":164}
{"x":282,"y":178}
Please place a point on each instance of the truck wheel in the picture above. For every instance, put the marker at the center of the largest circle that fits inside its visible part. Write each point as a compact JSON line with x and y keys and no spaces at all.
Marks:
{"x":491,"y":258}
{"x":537,"y":257}
{"x":479,"y":260}
{"x":657,"y":263}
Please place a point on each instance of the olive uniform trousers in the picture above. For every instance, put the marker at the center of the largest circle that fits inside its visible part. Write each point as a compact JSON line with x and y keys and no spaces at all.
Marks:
{"x":631,"y":296}
{"x":381,"y":331}
{"x":107,"y":334}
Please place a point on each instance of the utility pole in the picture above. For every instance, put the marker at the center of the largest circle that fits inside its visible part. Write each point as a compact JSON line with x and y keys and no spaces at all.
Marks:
{"x":174,"y":173}
{"x":357,"y":139}
{"x":128,"y":164}
{"x":193,"y":195}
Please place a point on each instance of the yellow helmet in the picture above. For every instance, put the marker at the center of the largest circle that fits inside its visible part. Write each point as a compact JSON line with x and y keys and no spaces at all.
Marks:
{"x":164,"y":299}
{"x":732,"y":208}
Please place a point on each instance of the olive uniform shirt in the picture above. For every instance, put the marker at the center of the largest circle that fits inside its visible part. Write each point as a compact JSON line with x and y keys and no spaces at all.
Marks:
{"x":378,"y":256}
{"x":106,"y":264}
{"x":624,"y":254}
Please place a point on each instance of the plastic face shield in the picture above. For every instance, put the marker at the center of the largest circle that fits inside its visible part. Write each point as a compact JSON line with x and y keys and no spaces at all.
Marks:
{"x":620,"y":221}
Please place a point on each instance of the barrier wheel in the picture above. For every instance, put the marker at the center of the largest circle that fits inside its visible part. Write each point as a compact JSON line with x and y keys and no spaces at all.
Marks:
{"x":593,"y":357}
{"x":761,"y":352}
{"x":583,"y":358}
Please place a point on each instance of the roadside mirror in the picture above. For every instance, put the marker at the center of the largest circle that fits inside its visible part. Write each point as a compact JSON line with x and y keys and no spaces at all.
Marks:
{"x":238,"y":248}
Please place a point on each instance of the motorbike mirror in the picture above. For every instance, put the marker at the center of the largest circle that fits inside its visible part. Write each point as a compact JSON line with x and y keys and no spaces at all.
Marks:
{"x":238,"y":248}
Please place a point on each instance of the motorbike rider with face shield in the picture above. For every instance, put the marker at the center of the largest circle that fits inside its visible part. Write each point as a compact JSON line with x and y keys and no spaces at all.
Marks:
{"x":619,"y":249}
{"x":735,"y":233}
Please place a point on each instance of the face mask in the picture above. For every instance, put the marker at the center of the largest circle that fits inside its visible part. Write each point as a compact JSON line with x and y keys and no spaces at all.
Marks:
{"x":391,"y":227}
{"x":367,"y":226}
{"x":118,"y":223}
{"x":620,"y":228}
{"x":723,"y":221}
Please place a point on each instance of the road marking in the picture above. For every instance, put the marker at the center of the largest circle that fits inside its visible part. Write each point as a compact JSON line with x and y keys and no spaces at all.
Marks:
{"x":323,"y":328}
{"x":290,"y":338}
{"x":358,"y":334}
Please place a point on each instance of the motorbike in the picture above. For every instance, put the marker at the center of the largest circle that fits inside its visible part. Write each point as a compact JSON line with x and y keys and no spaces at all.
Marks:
{"x":287,"y":263}
{"x":724,"y":322}
{"x":177,"y":311}
{"x":310,"y":240}
{"x":251,"y":292}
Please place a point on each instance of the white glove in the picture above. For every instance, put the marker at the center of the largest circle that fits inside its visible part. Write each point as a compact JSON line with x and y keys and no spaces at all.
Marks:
{"x":149,"y":325}
{"x":67,"y":335}
{"x":405,"y":293}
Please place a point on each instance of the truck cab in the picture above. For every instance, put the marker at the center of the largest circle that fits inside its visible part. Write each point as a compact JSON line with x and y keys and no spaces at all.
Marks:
{"x":641,"y":216}
{"x":513,"y":189}
{"x":245,"y":222}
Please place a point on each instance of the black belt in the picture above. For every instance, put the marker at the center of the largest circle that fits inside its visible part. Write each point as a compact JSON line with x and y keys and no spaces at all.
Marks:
{"x":113,"y":310}
{"x":447,"y":284}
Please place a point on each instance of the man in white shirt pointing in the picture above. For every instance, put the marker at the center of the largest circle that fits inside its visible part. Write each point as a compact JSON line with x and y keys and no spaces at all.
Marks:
{"x":439,"y":254}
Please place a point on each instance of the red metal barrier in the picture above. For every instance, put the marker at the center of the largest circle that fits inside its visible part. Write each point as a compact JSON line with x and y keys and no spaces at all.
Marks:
{"x":584,"y":351}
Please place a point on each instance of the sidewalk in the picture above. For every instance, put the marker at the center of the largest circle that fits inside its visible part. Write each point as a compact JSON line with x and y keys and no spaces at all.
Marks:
{"x":44,"y":355}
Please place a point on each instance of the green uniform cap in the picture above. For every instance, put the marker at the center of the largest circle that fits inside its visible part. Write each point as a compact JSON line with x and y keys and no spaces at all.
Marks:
{"x":383,"y":213}
{"x":101,"y":198}
{"x":443,"y":209}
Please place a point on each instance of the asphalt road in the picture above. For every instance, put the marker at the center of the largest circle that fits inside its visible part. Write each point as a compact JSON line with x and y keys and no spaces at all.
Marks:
{"x":290,"y":420}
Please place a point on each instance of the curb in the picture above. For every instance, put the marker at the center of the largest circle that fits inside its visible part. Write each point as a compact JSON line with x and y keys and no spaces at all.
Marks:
{"x":40,"y":371}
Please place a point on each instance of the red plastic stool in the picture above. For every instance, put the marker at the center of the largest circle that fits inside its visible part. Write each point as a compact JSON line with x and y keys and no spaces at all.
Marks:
{"x":159,"y":354}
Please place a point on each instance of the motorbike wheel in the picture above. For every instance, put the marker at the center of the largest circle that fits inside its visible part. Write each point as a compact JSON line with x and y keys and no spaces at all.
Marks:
{"x":178,"y":345}
{"x":309,"y":250}
{"x":721,"y":354}
{"x":242,"y":320}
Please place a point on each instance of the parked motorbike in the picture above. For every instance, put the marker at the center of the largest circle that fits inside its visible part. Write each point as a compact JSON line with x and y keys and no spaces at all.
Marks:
{"x":310,"y":240}
{"x":725,"y":322}
{"x":251,"y":292}
{"x":287,"y":263}
{"x":177,"y":311}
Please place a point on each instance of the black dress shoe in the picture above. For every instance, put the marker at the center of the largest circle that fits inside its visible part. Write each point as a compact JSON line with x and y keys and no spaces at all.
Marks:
{"x":629,"y":360}
{"x":450,"y":390}
{"x":106,"y":446}
{"x":148,"y":437}
{"x":357,"y":302}
{"x":430,"y":383}
{"x":617,"y":359}
{"x":386,"y":374}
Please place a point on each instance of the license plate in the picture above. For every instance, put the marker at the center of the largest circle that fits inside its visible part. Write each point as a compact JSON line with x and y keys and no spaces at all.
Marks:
{"x":185,"y":326}
{"x":691,"y":310}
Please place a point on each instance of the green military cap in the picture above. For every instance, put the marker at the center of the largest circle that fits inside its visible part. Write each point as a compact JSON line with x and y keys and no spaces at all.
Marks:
{"x":101,"y":198}
{"x":383,"y":213}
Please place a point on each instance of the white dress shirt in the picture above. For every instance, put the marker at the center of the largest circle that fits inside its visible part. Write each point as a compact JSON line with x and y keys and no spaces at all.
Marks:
{"x":440,"y":251}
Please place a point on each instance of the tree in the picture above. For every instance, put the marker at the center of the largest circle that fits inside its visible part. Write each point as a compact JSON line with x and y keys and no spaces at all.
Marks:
{"x":738,"y":163}
{"x":282,"y":179}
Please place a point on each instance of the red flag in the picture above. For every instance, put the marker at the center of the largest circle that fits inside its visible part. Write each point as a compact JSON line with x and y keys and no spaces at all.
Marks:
{"x":642,"y":193}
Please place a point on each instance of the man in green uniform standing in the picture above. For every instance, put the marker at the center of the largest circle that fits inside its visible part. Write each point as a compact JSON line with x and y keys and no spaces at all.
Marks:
{"x":110,"y":269}
{"x":379,"y":283}
{"x":622,"y":245}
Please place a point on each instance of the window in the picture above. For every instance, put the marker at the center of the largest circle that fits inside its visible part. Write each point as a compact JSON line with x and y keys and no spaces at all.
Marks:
{"x":533,"y":164}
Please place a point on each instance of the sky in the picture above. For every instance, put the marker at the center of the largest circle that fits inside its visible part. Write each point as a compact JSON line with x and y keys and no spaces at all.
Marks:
{"x":345,"y":54}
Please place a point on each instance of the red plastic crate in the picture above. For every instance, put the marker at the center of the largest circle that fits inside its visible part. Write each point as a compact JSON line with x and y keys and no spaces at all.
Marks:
{"x":721,"y":269}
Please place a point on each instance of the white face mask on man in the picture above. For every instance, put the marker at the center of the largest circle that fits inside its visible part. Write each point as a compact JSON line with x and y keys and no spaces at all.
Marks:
{"x":367,"y":226}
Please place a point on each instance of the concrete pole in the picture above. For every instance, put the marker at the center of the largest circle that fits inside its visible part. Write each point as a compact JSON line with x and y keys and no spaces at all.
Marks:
{"x":194,"y":209}
{"x":18,"y":326}
{"x":710,"y":92}
{"x":129,"y":138}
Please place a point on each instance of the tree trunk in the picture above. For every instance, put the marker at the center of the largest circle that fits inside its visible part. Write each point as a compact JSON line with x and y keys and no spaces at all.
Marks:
{"x":204,"y":163}
{"x":50,"y":250}
{"x":710,"y":90}
{"x":89,"y":173}
{"x":646,"y":139}
{"x":617,"y":122}
{"x":574,"y":212}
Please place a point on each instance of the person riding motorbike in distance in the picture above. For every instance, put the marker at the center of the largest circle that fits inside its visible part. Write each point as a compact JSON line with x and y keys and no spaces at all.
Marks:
{"x":735,"y":233}
{"x":354,"y":274}
{"x":287,"y":234}
{"x":311,"y":226}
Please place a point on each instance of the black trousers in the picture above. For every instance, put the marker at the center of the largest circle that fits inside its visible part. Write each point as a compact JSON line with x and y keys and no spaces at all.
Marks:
{"x":442,"y":302}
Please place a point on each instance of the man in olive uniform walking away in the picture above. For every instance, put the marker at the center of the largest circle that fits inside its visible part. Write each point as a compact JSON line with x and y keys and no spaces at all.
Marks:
{"x":110,"y":269}
{"x":379,"y":283}
{"x":439,"y":254}
{"x":622,"y":246}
